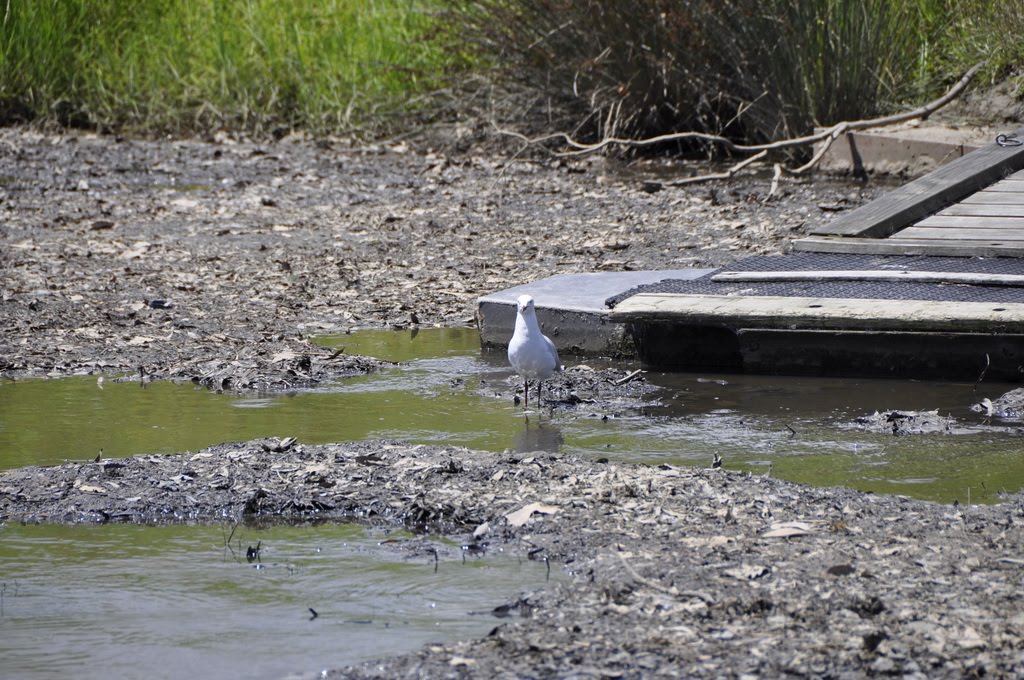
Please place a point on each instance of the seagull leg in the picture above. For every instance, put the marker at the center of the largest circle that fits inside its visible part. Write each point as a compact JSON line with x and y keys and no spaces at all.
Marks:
{"x":526,"y":393}
{"x":540,"y":403}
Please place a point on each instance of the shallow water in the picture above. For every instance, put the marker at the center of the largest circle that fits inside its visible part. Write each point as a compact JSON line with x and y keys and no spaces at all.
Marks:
{"x":173,"y":602}
{"x":803,"y":430}
{"x":129,"y":601}
{"x":444,"y":391}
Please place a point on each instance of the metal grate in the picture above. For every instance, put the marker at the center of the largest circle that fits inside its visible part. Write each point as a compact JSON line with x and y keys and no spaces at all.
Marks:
{"x":873,"y":290}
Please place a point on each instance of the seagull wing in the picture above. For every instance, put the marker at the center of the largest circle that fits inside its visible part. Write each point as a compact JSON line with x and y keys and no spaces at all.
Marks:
{"x":552,"y":353}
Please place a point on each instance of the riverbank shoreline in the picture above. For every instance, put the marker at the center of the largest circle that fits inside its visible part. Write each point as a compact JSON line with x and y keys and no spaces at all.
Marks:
{"x":676,"y":571}
{"x":216,"y":261}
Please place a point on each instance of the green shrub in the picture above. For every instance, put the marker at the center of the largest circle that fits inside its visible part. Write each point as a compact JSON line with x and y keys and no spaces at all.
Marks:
{"x":755,"y":69}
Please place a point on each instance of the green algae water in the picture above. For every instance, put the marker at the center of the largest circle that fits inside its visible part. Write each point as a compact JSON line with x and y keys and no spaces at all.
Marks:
{"x":179,"y":601}
{"x":443,"y":390}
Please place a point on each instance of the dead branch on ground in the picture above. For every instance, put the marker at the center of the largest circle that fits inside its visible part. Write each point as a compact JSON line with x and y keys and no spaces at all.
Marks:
{"x":760,"y":151}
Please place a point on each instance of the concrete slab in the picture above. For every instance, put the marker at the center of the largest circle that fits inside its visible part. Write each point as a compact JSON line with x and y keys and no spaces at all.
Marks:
{"x":571,"y":309}
{"x":904,"y":329}
{"x":906,"y":150}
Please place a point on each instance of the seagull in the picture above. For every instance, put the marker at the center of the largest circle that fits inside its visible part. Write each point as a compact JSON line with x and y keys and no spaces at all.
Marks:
{"x":531,"y":353}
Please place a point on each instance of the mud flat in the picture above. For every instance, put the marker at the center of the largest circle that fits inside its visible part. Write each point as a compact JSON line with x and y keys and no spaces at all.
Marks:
{"x":215,"y":261}
{"x":694,"y":572}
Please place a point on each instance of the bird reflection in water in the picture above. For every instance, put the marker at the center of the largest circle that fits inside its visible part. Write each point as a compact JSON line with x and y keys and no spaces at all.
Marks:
{"x":539,"y":437}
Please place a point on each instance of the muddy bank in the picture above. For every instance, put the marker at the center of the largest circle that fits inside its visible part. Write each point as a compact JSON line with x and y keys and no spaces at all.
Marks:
{"x":693,"y":572}
{"x":580,"y":387}
{"x":183,"y":257}
{"x":215,"y":261}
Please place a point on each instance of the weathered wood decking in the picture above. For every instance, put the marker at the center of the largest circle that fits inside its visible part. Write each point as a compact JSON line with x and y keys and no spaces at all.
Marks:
{"x":881,"y":316}
{"x":853,"y":303}
{"x":811,"y":313}
{"x":973,"y":206}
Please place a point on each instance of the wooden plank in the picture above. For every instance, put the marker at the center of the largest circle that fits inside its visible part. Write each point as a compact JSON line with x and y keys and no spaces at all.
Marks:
{"x":1007,"y":186}
{"x":973,"y":234}
{"x":901,"y":246}
{"x":975,"y":210}
{"x":922,"y":197}
{"x":994,"y":198}
{"x":966,"y":243}
{"x":967,"y":278}
{"x":809,"y":313}
{"x":971,"y":223}
{"x":1016,"y":175}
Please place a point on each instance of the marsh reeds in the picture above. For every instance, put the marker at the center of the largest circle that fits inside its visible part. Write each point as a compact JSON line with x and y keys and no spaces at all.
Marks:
{"x":754,"y":70}
{"x":751,"y":69}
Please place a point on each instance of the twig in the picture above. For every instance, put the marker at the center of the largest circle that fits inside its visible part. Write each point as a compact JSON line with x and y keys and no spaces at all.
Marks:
{"x":227,"y":541}
{"x":828,"y":137}
{"x":981,"y":377}
{"x":547,"y":35}
{"x":663,"y":589}
{"x":833,"y":134}
{"x":773,"y":190}
{"x":727,"y":174}
{"x":506,"y":166}
{"x":626,"y":379}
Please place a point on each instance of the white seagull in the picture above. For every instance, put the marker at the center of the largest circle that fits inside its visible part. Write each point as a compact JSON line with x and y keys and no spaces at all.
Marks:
{"x":531,"y":353}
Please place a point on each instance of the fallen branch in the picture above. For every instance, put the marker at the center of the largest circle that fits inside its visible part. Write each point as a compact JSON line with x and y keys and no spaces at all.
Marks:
{"x":727,"y":174}
{"x":667,"y":590}
{"x":832,"y":134}
{"x":632,"y":376}
{"x":759,"y":151}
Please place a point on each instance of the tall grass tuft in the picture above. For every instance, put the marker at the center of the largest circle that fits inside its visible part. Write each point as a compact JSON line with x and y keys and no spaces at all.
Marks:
{"x":258,"y":65}
{"x":964,"y":32}
{"x":752,"y":68}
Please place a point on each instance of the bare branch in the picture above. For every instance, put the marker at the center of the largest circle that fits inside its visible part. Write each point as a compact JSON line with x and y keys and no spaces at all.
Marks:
{"x":829,"y":135}
{"x":727,"y":174}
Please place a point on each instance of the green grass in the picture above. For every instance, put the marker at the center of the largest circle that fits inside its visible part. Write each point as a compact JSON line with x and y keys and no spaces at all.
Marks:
{"x":258,"y":65}
{"x":752,"y":69}
{"x":964,"y":32}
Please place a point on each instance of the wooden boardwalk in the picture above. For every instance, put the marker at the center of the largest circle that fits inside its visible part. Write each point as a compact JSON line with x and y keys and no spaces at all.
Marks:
{"x":859,"y":299}
{"x":908,"y":285}
{"x":973,"y":206}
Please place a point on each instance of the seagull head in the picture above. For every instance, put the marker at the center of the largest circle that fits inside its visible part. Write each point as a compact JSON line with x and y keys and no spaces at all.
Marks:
{"x":524,"y":303}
